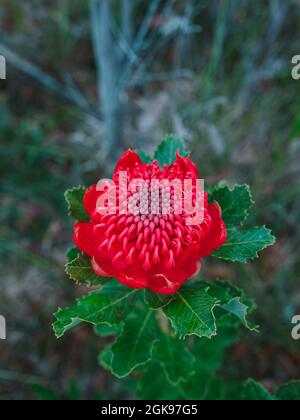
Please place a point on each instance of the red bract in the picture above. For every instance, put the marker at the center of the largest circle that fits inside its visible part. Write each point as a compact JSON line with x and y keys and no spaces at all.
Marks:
{"x":155,"y":251}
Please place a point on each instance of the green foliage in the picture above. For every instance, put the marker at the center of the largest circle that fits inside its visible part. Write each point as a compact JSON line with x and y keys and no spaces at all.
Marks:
{"x":192,"y":312}
{"x":289,"y":392}
{"x":74,"y":199}
{"x":253,"y":391}
{"x":210,"y":353}
{"x":81,"y":271}
{"x":176,"y":342}
{"x":241,"y":246}
{"x":144,"y":157}
{"x":156,"y":301}
{"x":72,"y":253}
{"x":44,"y":393}
{"x":244,"y":246}
{"x":235,"y":203}
{"x":153,"y":385}
{"x":105,"y":330}
{"x":134,"y":345}
{"x":105,"y":306}
{"x":175,"y":358}
{"x":166,"y":152}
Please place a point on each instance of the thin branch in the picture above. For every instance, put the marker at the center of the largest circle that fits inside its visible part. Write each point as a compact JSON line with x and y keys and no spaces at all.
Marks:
{"x":161,"y":76}
{"x":68,"y":92}
{"x":108,"y":60}
{"x":139,"y":41}
{"x":127,"y":25}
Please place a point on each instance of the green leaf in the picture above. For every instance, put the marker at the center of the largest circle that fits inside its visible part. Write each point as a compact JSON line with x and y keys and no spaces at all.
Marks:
{"x":216,"y":389}
{"x":209,"y":353}
{"x":81,"y":271}
{"x":177,"y":361}
{"x":245,"y":245}
{"x":198,"y":387}
{"x":154,"y":386}
{"x":74,"y":199}
{"x":253,"y":391}
{"x":233,"y":301}
{"x":166,"y":152}
{"x":74,"y":393}
{"x":235,"y":203}
{"x":289,"y":391}
{"x":240,"y":310}
{"x":72,"y":253}
{"x":105,"y":357}
{"x":144,"y":157}
{"x":100,"y":307}
{"x":105,"y":330}
{"x":44,"y":393}
{"x":156,"y":301}
{"x":192,"y":310}
{"x":134,"y":346}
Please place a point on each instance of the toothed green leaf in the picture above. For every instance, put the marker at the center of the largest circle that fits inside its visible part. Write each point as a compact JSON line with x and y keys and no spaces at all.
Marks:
{"x":144,"y":157}
{"x":242,"y":246}
{"x":156,"y":301}
{"x":72,"y":253}
{"x":235,"y":203}
{"x":253,"y":391}
{"x":134,"y":345}
{"x":289,"y":391}
{"x":106,"y":306}
{"x":175,"y":358}
{"x":192,"y":312}
{"x":81,"y":271}
{"x":74,"y":199}
{"x":166,"y":152}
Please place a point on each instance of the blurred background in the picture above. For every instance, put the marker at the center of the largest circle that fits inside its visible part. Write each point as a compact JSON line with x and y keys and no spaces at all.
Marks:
{"x":88,"y":79}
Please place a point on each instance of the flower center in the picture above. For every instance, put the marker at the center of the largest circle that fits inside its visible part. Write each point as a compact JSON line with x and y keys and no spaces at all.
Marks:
{"x":151,"y":233}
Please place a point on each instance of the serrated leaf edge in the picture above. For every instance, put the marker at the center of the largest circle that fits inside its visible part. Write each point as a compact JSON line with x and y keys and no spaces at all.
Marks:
{"x":79,"y":319}
{"x":88,"y":284}
{"x":165,"y":140}
{"x":269,"y":231}
{"x":213,"y":334}
{"x":70,"y":190}
{"x":149,"y":314}
{"x":231,"y":189}
{"x":181,"y":378}
{"x":160,"y":307}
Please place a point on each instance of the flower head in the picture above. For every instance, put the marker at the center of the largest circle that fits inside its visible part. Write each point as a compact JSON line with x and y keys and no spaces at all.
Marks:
{"x":151,"y":245}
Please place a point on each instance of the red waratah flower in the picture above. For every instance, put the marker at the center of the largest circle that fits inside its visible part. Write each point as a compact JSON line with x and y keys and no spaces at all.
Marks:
{"x":155,"y":251}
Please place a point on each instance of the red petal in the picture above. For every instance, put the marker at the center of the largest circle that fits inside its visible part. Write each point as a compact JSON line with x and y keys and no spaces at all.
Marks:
{"x":135,"y":283}
{"x":98,"y":270}
{"x":187,"y":166}
{"x":127,"y":162}
{"x":217,"y":234}
{"x":84,"y":238}
{"x":90,"y":200}
{"x":162,"y":285}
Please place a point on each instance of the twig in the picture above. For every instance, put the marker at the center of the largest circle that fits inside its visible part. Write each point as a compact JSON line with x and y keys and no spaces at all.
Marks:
{"x":139,"y":40}
{"x":161,"y":76}
{"x":127,"y":26}
{"x":107,"y":57}
{"x":69,"y":93}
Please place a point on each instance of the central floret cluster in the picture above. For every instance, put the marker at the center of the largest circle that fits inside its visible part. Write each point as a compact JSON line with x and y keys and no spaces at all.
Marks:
{"x":153,"y":244}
